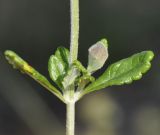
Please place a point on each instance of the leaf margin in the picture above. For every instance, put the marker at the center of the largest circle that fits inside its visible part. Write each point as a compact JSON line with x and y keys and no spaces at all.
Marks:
{"x":58,"y":65}
{"x":148,"y":58}
{"x":18,"y":63}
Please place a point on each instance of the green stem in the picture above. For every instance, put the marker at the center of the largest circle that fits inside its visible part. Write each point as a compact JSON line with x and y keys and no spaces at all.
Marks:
{"x":70,"y":117}
{"x":74,"y":7}
{"x":70,"y":120}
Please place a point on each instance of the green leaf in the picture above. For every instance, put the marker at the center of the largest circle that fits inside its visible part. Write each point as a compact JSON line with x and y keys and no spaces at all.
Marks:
{"x":18,"y":63}
{"x":123,"y":71}
{"x":81,"y":68}
{"x":58,"y":65}
{"x":86,"y":75}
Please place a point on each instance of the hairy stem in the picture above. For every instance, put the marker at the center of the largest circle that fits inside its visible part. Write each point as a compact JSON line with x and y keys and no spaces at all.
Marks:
{"x":70,"y":120}
{"x":74,"y":7}
{"x":70,"y":105}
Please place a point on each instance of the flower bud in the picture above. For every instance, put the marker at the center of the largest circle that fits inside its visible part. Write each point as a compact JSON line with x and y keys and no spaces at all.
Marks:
{"x":98,"y":54}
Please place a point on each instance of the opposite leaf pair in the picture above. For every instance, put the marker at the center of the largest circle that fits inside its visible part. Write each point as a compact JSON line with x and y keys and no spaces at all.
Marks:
{"x":65,"y":74}
{"x":74,"y":78}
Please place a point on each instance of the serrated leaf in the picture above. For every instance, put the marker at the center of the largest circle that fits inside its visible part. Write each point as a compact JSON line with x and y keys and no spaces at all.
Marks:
{"x":58,"y":65}
{"x":18,"y":63}
{"x":123,"y":71}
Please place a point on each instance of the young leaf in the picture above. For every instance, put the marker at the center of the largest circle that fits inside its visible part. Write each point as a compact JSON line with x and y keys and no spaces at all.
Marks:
{"x":72,"y":74}
{"x":86,"y":75}
{"x":81,"y":68}
{"x":18,"y":63}
{"x":98,"y":54}
{"x":123,"y":71}
{"x":58,"y":65}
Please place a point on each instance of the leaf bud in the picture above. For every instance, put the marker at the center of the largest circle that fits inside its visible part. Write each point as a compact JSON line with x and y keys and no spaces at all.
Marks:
{"x":98,"y":54}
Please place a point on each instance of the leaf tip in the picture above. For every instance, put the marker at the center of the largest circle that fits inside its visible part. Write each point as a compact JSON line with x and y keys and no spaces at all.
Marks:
{"x":150,"y":55}
{"x":104,"y":42}
{"x":8,"y":53}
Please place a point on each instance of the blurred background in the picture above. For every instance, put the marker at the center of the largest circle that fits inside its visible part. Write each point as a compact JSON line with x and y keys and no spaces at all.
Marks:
{"x":35,"y":28}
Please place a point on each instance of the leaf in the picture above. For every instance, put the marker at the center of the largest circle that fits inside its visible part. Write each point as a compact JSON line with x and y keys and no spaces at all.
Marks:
{"x":86,"y":75}
{"x":71,"y":76}
{"x":58,"y":65}
{"x":18,"y":63}
{"x":123,"y":71}
{"x":81,"y":68}
{"x":77,"y":74}
{"x":98,"y":54}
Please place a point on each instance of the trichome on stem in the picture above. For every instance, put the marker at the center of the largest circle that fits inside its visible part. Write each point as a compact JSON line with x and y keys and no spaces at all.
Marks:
{"x":73,"y":79}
